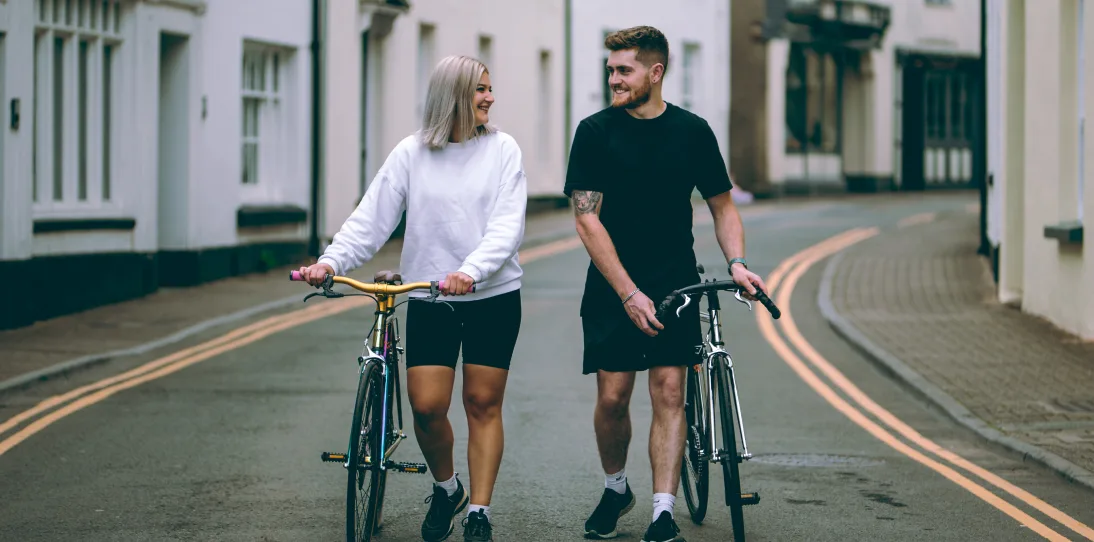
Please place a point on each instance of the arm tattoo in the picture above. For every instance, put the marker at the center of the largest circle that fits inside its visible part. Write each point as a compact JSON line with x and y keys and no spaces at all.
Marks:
{"x":587,"y":202}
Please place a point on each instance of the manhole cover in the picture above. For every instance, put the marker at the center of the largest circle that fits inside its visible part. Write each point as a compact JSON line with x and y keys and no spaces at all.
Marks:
{"x":814,"y":460}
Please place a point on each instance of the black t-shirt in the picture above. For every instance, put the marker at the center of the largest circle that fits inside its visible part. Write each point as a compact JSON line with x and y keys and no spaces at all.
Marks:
{"x":647,"y":170}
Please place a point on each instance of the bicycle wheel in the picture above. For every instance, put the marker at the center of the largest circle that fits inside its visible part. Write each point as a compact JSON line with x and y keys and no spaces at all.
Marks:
{"x":365,"y":484}
{"x":731,"y":458}
{"x":694,"y":473}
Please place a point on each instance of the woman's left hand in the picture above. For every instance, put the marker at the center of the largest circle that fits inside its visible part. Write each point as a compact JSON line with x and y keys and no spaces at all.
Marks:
{"x":457,"y":284}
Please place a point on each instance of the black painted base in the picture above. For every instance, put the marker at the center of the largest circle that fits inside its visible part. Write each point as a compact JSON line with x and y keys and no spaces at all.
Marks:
{"x":48,"y":287}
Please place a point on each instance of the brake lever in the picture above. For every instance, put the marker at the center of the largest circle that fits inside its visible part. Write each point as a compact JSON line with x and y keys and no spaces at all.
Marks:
{"x":687,"y":301}
{"x":742,"y":300}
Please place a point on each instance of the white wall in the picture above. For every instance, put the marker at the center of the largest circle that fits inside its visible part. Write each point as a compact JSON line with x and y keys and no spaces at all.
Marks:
{"x":1037,"y":116}
{"x":705,"y":22}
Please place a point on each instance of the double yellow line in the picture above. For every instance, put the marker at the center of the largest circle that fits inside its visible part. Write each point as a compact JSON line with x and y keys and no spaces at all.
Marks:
{"x":783,"y":280}
{"x":85,"y":396}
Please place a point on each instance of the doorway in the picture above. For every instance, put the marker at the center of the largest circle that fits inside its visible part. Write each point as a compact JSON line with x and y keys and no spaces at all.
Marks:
{"x":174,"y":142}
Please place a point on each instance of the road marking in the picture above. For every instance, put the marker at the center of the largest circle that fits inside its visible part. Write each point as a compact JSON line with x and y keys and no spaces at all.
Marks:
{"x":232,"y":340}
{"x":921,"y":218}
{"x":818,"y":361}
{"x":803,"y":261}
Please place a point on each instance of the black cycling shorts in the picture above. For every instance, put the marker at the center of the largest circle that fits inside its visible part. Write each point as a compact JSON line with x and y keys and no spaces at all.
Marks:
{"x":486,"y":329}
{"x":615,"y":344}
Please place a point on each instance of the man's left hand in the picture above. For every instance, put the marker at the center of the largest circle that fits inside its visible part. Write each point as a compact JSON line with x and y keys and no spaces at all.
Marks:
{"x":747,"y":280}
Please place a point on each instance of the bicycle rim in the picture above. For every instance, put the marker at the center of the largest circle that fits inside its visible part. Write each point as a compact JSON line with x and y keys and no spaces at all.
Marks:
{"x":694,"y":472}
{"x":362,"y":480}
{"x":730,"y":460}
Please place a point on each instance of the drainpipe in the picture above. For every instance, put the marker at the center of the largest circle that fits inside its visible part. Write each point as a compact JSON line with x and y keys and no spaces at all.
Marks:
{"x":982,"y":133}
{"x":316,"y":125}
{"x":568,"y":37}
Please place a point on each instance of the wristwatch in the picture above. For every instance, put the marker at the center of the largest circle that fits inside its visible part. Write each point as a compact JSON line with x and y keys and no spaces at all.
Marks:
{"x":737,"y":260}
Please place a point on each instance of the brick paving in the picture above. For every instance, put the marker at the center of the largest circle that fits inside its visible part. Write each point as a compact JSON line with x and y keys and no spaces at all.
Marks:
{"x":922,"y":294}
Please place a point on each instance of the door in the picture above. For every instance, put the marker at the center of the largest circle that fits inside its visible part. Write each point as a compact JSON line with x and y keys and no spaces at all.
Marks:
{"x":174,"y":142}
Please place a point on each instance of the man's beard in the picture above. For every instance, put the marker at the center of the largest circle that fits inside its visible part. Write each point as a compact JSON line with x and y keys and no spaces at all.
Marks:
{"x":635,"y":98}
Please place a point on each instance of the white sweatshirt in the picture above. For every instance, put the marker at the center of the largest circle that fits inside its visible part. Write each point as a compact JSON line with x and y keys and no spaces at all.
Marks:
{"x":465,"y":209}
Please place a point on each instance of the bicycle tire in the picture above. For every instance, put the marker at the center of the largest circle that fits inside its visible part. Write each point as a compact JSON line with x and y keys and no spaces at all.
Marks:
{"x":694,"y":471}
{"x":361,"y":509}
{"x":731,"y":459}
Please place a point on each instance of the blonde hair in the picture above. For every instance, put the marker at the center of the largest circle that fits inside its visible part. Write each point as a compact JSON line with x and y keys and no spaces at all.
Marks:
{"x":449,"y":102}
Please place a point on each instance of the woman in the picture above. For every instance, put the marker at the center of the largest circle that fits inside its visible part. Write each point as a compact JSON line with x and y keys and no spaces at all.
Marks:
{"x":462,"y":184}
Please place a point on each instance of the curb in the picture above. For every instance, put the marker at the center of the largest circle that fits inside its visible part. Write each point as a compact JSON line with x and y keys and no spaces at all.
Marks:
{"x":44,"y":374}
{"x":901,"y":371}
{"x":65,"y":367}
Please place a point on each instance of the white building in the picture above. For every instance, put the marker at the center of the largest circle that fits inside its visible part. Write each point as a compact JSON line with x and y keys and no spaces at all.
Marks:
{"x":860,"y":95}
{"x":148,"y":143}
{"x":698,"y":35}
{"x":381,"y":54}
{"x":1041,"y":83}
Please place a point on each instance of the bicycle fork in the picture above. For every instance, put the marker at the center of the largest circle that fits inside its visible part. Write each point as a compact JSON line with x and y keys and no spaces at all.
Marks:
{"x":708,"y":386}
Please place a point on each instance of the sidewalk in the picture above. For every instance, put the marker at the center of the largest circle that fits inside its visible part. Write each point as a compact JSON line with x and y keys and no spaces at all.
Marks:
{"x":53,"y":347}
{"x":921,"y":302}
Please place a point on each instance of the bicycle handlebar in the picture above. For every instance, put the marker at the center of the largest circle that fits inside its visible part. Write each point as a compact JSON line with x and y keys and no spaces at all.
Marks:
{"x":372,"y":288}
{"x":716,"y":285}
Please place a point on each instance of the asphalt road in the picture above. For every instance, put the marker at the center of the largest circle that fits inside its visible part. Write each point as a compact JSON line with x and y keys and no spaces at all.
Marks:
{"x":228,"y":449}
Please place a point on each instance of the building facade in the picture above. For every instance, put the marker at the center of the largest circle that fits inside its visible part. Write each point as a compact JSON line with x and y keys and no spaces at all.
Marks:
{"x":381,"y":54}
{"x":146,"y":144}
{"x":697,"y":78}
{"x":1041,"y":83}
{"x":859,"y":95}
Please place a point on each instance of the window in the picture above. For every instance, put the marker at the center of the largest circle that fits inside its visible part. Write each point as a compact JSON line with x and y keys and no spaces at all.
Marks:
{"x":812,"y":101}
{"x":426,"y":54}
{"x":691,"y":76}
{"x":264,"y":119}
{"x":486,"y":51}
{"x":543,"y":133}
{"x":74,"y":80}
{"x":939,"y":2}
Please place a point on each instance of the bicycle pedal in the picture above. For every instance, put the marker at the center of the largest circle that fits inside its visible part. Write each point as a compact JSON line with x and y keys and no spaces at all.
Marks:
{"x":750,"y":498}
{"x":330,"y":457}
{"x":410,"y":468}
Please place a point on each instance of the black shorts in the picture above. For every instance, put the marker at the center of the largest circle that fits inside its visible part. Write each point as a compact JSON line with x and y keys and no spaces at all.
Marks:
{"x":615,"y":344}
{"x":486,"y":329}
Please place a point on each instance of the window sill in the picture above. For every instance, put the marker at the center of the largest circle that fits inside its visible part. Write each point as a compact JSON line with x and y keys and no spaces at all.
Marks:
{"x":1070,"y":232}
{"x":253,"y":216}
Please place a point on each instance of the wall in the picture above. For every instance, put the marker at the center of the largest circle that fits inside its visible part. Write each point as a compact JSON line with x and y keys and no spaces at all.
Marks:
{"x":748,"y":124}
{"x":1038,"y":180}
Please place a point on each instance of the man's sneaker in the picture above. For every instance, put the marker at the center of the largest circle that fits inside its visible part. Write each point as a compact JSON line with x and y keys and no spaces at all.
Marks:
{"x":663,"y":530}
{"x":476,"y":528}
{"x":438,"y":522}
{"x":612,"y":506}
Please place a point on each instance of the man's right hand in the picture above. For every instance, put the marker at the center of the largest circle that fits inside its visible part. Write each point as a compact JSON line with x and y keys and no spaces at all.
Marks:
{"x":643,"y":313}
{"x":316,"y":273}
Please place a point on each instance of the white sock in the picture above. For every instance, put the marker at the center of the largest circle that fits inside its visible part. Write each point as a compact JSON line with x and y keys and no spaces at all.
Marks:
{"x":449,"y":485}
{"x":663,"y":502}
{"x":617,"y":482}
{"x":478,"y":508}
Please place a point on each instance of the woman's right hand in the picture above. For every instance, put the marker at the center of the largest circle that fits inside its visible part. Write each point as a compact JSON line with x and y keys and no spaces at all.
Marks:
{"x":316,"y":273}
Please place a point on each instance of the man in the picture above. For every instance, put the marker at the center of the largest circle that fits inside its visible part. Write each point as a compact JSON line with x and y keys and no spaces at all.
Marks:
{"x":633,"y":168}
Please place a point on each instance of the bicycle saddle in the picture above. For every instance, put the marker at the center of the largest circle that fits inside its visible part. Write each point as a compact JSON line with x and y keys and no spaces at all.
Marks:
{"x":387,"y":276}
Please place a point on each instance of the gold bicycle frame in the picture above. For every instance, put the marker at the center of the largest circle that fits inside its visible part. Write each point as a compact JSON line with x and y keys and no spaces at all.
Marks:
{"x":385,"y":301}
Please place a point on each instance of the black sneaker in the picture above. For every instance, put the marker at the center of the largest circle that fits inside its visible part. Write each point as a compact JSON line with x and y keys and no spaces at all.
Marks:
{"x":438,"y":522}
{"x":476,"y":528}
{"x":663,"y":530}
{"x":612,"y":506}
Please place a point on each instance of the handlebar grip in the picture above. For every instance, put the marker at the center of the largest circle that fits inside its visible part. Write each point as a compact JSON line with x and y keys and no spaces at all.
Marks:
{"x":440,"y":284}
{"x":664,"y":307}
{"x":775,"y":312}
{"x":295,"y":275}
